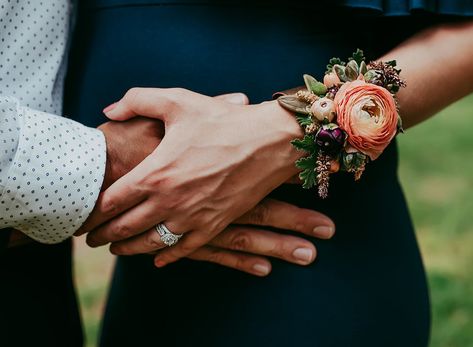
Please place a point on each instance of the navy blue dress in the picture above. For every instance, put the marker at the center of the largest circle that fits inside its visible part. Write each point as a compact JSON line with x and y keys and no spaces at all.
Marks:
{"x":368,"y":286}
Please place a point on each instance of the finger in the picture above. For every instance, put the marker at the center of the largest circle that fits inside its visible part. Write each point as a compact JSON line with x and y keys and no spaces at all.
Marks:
{"x":282,"y":215}
{"x":119,"y":197}
{"x":251,"y":264}
{"x":234,"y":98}
{"x":152,"y":102}
{"x":133,"y":222}
{"x":266,"y":243}
{"x":187,"y":245}
{"x":147,"y":242}
{"x":125,"y":193}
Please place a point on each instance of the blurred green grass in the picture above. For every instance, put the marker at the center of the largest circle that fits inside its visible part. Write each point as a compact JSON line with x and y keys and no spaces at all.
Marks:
{"x":436,"y":169}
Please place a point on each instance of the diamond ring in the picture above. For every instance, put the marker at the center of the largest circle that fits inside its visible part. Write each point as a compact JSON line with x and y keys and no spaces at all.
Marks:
{"x":166,"y":235}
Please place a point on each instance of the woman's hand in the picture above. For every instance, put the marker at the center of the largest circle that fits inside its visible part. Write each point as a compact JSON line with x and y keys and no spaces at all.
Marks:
{"x":216,"y":161}
{"x":245,"y":247}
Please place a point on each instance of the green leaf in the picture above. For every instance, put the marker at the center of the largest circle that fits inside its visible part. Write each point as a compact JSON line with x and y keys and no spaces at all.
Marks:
{"x":305,"y":144}
{"x":351,"y":70}
{"x":392,"y":63}
{"x":332,"y":62}
{"x":340,"y":71}
{"x":292,"y":103}
{"x":363,"y":68}
{"x":308,"y":175}
{"x":308,"y":178}
{"x":303,"y":119}
{"x":400,"y":129}
{"x":314,"y":86}
{"x":358,"y":56}
{"x":309,"y":162}
{"x":352,"y":161}
{"x":371,"y":75}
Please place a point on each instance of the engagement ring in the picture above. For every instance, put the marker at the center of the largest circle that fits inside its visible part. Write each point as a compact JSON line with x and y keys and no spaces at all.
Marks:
{"x":166,"y":235}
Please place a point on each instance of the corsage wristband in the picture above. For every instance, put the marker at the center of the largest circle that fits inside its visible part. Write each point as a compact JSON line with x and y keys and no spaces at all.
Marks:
{"x":348,"y":120}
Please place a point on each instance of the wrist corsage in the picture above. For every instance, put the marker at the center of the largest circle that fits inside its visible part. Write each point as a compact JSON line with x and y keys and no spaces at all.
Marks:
{"x":348,"y":120}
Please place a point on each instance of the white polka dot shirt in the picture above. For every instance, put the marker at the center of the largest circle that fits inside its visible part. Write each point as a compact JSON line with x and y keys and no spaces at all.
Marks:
{"x":51,"y":168}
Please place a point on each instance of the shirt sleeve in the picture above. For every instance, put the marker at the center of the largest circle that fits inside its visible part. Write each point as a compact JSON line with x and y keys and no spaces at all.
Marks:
{"x":51,"y":172}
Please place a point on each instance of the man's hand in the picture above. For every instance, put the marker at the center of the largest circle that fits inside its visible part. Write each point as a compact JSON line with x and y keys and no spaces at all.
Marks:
{"x":128,"y":144}
{"x":246,"y":244}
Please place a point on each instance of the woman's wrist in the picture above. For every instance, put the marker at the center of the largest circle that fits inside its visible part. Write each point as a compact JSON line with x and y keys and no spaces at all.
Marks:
{"x":286,"y":128}
{"x":286,"y":121}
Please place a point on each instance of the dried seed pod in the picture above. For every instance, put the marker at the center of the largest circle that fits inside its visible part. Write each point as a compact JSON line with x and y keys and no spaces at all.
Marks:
{"x":294,"y":104}
{"x":323,"y":109}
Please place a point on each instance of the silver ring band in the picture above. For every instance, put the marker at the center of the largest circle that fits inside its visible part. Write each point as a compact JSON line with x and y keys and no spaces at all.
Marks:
{"x":166,"y":235}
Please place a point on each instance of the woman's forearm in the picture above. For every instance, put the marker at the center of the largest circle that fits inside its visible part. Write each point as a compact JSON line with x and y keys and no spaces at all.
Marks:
{"x":438,"y":67}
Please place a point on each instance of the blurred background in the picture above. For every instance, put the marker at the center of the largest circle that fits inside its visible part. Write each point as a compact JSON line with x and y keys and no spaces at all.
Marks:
{"x":436,"y":169}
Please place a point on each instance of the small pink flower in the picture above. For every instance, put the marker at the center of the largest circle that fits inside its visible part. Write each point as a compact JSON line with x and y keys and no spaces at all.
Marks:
{"x":331,"y":79}
{"x":368,"y":114}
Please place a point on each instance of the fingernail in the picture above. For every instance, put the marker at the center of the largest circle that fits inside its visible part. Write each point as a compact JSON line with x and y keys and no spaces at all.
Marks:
{"x":114,"y":249}
{"x":303,"y":254}
{"x":237,"y":98}
{"x":109,"y":108}
{"x":159,"y":263}
{"x":324,"y":231}
{"x":261,"y":269}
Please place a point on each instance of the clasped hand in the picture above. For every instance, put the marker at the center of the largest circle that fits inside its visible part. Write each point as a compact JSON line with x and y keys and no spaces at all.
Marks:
{"x":215,"y":165}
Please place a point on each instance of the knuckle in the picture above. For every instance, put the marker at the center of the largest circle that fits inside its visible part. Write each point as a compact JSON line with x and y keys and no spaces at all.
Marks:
{"x":121,"y":231}
{"x":241,"y":264}
{"x":215,"y":256}
{"x":174,"y":97}
{"x":259,"y":214}
{"x":177,"y":92}
{"x":153,"y":241}
{"x":241,"y":241}
{"x":131,"y":94}
{"x":280,"y":250}
{"x":187,"y":248}
{"x":147,"y":184}
{"x":109,"y":206}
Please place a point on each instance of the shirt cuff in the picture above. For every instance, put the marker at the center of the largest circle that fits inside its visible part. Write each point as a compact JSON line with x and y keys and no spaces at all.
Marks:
{"x":55,"y":178}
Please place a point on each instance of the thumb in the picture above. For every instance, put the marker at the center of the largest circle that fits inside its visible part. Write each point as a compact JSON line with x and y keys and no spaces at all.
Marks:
{"x":234,"y":98}
{"x":158,"y":103}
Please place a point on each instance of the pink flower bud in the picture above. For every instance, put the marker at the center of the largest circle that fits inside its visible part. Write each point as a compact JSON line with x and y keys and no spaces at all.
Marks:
{"x":334,"y":166}
{"x":331,"y":79}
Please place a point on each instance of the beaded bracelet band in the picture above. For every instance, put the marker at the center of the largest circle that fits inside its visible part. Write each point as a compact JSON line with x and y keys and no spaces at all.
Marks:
{"x":348,"y":120}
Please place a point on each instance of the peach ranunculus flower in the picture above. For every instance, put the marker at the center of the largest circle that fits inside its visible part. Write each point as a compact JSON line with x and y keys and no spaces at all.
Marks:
{"x":368,"y":114}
